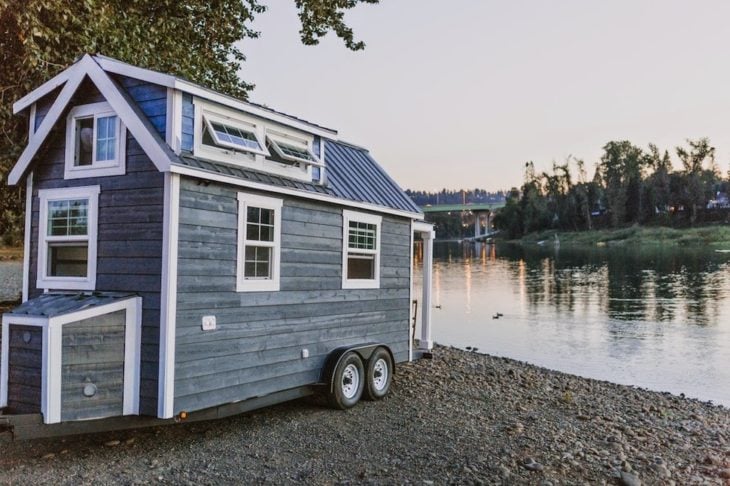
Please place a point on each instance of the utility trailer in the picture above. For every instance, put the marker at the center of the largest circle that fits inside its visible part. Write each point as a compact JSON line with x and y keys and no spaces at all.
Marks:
{"x":190,"y":256}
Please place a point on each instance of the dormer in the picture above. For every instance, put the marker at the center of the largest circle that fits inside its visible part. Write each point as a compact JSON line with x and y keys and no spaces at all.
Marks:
{"x":239,"y":138}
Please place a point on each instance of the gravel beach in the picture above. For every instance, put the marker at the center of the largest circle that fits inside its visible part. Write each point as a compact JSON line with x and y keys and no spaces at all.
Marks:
{"x":459,"y":418}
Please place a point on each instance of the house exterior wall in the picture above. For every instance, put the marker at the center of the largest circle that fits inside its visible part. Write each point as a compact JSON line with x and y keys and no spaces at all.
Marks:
{"x":256,"y":348}
{"x":93,"y":353}
{"x":129,"y":251}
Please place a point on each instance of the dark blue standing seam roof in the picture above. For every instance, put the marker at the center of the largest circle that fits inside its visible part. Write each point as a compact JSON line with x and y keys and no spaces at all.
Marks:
{"x":353,"y":174}
{"x":350,"y":171}
{"x":51,"y":305}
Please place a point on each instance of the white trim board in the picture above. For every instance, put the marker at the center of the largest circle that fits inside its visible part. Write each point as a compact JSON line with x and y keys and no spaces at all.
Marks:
{"x":129,"y":113}
{"x":49,"y":121}
{"x":26,"y":236}
{"x":51,"y":366}
{"x":168,"y":297}
{"x":204,"y":174}
{"x":42,"y":90}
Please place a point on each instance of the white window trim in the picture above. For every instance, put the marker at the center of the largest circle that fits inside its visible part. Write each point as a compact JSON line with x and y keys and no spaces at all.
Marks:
{"x":348,"y":216}
{"x":96,"y":169}
{"x":210,"y":118}
{"x":242,"y":285}
{"x":274,"y":139}
{"x":68,"y":283}
{"x":250,"y":159}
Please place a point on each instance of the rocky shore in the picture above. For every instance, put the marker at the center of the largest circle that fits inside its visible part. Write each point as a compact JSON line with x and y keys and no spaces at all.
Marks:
{"x":459,"y":418}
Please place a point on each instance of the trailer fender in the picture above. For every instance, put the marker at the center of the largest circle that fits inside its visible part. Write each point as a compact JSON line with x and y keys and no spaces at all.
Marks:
{"x":334,"y":358}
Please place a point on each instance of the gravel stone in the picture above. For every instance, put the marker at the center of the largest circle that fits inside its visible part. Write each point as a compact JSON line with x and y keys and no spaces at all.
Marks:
{"x":462,"y":417}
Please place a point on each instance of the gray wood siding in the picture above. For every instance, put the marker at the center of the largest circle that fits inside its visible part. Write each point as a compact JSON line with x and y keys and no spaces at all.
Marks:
{"x":188,"y":122}
{"x":25,"y":369}
{"x":93,"y":352}
{"x":129,"y":255}
{"x":256,"y":348}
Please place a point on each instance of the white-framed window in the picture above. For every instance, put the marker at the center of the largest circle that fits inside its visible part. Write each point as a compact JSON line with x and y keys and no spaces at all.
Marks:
{"x":230,"y":133}
{"x":290,"y":149}
{"x":360,"y":250}
{"x":259,"y":243}
{"x":67,"y":238}
{"x":241,"y":139}
{"x":95,"y":142}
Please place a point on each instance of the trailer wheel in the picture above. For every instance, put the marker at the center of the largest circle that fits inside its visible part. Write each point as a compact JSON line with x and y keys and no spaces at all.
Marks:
{"x":379,"y":374}
{"x":348,"y":382}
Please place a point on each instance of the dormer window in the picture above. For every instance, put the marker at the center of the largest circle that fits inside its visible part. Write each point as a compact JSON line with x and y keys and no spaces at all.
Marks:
{"x":95,"y":139}
{"x":289,"y":149}
{"x":232,"y":134}
{"x":241,"y":139}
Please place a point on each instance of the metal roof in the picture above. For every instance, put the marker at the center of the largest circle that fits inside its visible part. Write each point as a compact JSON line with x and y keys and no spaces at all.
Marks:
{"x":51,"y":305}
{"x":351,"y":174}
{"x":253,"y":175}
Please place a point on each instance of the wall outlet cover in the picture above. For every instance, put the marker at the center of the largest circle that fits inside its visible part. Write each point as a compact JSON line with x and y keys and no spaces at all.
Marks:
{"x":209,"y":323}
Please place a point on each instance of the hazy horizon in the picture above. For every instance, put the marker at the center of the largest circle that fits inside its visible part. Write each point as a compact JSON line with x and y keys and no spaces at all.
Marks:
{"x":482,"y":87}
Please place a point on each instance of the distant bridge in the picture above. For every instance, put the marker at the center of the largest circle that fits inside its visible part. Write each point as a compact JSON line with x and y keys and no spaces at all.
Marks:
{"x":479,"y":210}
{"x":448,"y":208}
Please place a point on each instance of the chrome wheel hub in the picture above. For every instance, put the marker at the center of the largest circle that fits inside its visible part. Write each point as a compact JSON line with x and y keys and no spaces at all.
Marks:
{"x":350,"y":381}
{"x":380,"y":374}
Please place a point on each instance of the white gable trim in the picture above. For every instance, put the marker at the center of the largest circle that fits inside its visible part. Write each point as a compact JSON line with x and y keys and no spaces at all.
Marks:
{"x":135,"y":121}
{"x":76,"y":75}
{"x":127,"y":110}
{"x":42,"y":90}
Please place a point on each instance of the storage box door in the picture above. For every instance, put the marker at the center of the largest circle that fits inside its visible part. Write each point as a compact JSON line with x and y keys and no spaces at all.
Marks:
{"x":25,"y":359}
{"x":93,"y":367}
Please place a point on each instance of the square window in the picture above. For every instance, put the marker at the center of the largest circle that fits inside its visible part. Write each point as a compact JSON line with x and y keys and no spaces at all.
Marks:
{"x":95,"y":139}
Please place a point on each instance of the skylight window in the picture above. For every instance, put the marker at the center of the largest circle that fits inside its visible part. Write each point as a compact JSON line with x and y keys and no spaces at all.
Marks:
{"x":233,"y":136}
{"x":293,"y":152}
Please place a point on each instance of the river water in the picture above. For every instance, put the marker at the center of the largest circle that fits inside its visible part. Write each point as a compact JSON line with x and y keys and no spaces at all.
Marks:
{"x":654,"y":318}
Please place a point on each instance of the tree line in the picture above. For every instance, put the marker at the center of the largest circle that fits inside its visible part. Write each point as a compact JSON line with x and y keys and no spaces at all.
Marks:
{"x":630,"y":185}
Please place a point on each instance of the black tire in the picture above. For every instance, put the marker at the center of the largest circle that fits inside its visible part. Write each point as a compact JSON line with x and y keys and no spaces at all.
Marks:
{"x":348,"y":382}
{"x":379,"y":374}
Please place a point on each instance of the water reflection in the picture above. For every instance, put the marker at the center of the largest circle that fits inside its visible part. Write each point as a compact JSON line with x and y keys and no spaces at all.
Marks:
{"x":653,"y":317}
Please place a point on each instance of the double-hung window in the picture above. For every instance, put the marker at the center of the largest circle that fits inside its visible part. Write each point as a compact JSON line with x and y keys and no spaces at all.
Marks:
{"x":95,"y":142}
{"x":259,"y":243}
{"x":67,"y":238}
{"x":361,"y":250}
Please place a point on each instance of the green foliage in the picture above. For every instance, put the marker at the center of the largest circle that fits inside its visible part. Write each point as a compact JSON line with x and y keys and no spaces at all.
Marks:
{"x":320,"y":16}
{"x":631,"y":186}
{"x":193,"y":39}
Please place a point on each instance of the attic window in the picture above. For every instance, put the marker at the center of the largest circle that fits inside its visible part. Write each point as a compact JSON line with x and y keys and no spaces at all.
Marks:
{"x":232,"y":135}
{"x":95,"y":139}
{"x":291,"y":150}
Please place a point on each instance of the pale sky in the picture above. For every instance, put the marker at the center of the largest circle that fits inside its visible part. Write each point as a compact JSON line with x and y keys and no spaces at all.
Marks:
{"x":461,"y":93}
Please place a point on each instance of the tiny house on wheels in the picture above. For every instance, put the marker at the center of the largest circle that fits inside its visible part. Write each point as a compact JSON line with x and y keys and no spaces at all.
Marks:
{"x":189,"y":256}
